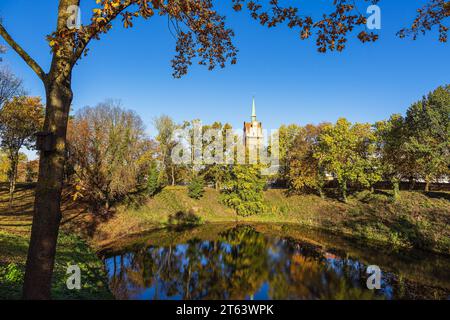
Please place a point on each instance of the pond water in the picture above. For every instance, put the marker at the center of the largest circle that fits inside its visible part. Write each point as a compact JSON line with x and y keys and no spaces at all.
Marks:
{"x":266,"y":262}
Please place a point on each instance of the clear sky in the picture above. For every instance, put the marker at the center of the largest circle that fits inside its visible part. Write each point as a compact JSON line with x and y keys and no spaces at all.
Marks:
{"x":291,"y":81}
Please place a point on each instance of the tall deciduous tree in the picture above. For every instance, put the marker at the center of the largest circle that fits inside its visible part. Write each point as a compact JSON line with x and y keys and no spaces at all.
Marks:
{"x":215,"y":173}
{"x":20,"y":119}
{"x":305,"y":172}
{"x":391,"y":149}
{"x":371,"y":170}
{"x":165,"y":138}
{"x":287,"y":135}
{"x":201,"y":33}
{"x":344,"y":151}
{"x":428,"y":130}
{"x":105,"y":144}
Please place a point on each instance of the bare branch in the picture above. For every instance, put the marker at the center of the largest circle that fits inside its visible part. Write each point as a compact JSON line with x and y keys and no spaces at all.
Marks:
{"x":23,"y":54}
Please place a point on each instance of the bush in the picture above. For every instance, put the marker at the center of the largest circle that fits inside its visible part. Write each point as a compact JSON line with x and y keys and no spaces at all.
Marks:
{"x":196,"y":188}
{"x":243,"y":191}
{"x":153,"y":185}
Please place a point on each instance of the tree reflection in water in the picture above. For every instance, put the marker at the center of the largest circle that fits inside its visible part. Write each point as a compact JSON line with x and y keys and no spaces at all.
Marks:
{"x":242,"y":264}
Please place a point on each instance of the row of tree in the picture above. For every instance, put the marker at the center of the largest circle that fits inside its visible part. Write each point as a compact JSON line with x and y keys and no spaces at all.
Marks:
{"x":110,"y":156}
{"x":414,"y":148}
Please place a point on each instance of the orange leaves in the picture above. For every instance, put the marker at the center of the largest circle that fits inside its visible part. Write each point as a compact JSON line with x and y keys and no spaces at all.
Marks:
{"x":20,"y":119}
{"x":146,"y":11}
{"x":201,"y":31}
{"x":331,"y":31}
{"x":431,"y":15}
{"x":127,"y":19}
{"x":363,"y":36}
{"x":237,"y":7}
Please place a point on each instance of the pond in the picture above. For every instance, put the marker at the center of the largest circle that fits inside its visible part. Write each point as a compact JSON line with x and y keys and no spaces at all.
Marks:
{"x":228,"y":261}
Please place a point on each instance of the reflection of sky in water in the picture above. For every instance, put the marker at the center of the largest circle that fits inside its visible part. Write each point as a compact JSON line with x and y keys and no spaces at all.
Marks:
{"x":256,"y":268}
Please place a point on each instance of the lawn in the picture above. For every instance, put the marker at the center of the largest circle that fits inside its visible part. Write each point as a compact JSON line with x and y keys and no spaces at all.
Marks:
{"x":15,"y":226}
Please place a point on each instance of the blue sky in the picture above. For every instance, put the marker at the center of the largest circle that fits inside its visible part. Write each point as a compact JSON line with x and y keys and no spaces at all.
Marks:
{"x":291,"y":81}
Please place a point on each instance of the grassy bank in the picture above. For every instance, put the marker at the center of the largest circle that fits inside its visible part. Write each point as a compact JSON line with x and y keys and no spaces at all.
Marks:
{"x":15,"y":226}
{"x":417,"y":220}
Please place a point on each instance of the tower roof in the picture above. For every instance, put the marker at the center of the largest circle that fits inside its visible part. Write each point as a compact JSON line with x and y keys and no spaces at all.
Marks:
{"x":253,"y":110}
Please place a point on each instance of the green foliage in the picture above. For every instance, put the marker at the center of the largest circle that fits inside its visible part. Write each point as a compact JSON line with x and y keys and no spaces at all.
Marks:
{"x":170,"y":172}
{"x":196,"y":188}
{"x":20,"y":119}
{"x":12,"y":273}
{"x":304,"y":173}
{"x":347,"y":152}
{"x":70,"y":250}
{"x":11,"y":279}
{"x":428,"y":128}
{"x":215,"y":173}
{"x":394,"y":160}
{"x":288,"y":145}
{"x":243,"y":191}
{"x":153,"y":185}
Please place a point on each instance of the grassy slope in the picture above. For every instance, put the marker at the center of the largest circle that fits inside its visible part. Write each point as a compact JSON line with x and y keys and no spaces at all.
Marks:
{"x":416,"y":220}
{"x":15,"y":228}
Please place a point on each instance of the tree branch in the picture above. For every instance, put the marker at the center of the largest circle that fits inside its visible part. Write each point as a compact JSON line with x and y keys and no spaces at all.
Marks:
{"x":23,"y":54}
{"x":95,"y":31}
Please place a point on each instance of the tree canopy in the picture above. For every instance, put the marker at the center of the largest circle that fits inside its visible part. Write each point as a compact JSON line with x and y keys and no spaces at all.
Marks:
{"x":20,"y":119}
{"x":106,"y":144}
{"x":428,"y":128}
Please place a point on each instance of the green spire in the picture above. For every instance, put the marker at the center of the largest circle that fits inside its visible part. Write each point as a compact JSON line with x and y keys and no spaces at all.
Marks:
{"x":253,"y":110}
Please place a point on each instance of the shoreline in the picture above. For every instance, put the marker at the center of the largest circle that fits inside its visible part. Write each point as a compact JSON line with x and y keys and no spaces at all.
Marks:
{"x":416,"y":221}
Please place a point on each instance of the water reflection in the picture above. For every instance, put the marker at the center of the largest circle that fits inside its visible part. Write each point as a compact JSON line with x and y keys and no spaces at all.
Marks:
{"x":241,"y":263}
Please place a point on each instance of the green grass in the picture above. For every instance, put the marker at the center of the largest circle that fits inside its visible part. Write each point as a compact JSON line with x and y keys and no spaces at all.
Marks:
{"x":71,"y":250}
{"x":15,"y":226}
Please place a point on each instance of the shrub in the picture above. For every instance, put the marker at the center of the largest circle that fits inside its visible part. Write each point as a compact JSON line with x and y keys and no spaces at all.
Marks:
{"x":243,"y":190}
{"x":196,"y":188}
{"x":153,"y":185}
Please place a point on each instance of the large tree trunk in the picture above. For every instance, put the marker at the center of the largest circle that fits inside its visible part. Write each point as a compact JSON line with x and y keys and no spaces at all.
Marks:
{"x":47,"y":212}
{"x":173,"y":174}
{"x":427,"y":184}
{"x":343,"y":187}
{"x":396,"y":188}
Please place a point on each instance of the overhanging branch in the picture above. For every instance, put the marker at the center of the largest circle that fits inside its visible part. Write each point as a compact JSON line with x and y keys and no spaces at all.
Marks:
{"x":23,"y":54}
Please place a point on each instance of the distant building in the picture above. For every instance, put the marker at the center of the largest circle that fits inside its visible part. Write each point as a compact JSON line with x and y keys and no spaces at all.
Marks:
{"x":253,"y":134}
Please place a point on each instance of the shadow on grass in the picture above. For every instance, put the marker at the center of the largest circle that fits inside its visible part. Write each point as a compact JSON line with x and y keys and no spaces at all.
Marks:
{"x":438,"y":195}
{"x":87,"y":222}
{"x":398,"y":232}
{"x":382,"y":193}
{"x":413,"y":233}
{"x":183,"y":220}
